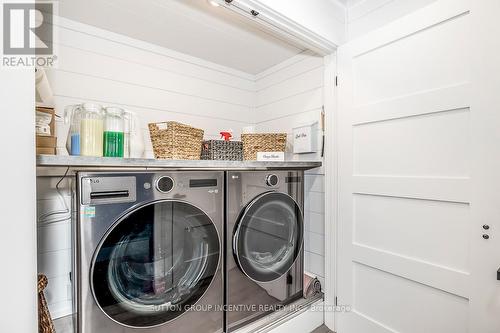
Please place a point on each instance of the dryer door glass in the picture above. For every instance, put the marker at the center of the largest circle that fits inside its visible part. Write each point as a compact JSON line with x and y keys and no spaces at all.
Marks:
{"x":155,"y":263}
{"x":268,"y":237}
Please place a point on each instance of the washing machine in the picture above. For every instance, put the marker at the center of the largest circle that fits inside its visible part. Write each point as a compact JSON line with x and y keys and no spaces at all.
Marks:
{"x":148,"y":252}
{"x":264,"y":243}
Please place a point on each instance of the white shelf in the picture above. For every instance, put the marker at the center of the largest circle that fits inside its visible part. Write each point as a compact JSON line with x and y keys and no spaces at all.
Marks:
{"x":76,"y":162}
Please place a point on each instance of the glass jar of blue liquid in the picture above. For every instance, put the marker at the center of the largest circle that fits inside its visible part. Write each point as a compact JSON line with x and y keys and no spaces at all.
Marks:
{"x":72,"y":116}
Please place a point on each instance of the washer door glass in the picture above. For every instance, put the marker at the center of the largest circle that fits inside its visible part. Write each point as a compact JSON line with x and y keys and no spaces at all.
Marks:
{"x":155,"y":263}
{"x":268,"y":237}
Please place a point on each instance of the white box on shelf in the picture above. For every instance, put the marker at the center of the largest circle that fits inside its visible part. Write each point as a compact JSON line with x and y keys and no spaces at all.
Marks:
{"x":275,"y":156}
{"x":305,"y":138}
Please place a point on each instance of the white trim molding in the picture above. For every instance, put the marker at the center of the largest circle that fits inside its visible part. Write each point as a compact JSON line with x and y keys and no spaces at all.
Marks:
{"x":279,"y":24}
{"x":331,"y":183}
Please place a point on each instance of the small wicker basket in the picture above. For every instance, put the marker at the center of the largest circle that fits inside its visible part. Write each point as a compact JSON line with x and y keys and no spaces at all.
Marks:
{"x":175,"y":141}
{"x":265,"y":142}
{"x":222,"y":150}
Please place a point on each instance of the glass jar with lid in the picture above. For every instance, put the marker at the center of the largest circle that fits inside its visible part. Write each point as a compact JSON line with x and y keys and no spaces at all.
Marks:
{"x":91,"y":129}
{"x":114,"y":127}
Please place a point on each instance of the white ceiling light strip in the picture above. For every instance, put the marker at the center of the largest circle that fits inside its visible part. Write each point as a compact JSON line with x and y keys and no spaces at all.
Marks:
{"x":278,"y":24}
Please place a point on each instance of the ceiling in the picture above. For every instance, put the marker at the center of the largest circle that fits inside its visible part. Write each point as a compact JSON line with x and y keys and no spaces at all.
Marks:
{"x":192,"y":27}
{"x":350,"y":3}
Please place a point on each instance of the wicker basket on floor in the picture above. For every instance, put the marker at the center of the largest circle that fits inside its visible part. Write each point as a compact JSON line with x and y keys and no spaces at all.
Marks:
{"x":265,"y":142}
{"x":45,"y":323}
{"x":175,"y":141}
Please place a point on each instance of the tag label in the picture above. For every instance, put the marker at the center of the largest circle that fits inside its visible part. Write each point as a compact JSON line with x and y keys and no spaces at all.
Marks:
{"x":276,"y":156}
{"x":88,"y":211}
{"x":162,"y":126}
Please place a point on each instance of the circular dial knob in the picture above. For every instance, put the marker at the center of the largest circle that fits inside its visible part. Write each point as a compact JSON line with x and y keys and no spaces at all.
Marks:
{"x":272,"y":180}
{"x":165,"y":184}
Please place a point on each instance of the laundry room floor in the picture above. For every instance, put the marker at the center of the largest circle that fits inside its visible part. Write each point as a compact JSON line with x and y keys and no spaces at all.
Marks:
{"x":322,"y":329}
{"x":64,"y":325}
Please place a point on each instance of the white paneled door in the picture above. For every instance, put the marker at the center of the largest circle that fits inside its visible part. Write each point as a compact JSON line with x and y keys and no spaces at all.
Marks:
{"x":414,"y":150}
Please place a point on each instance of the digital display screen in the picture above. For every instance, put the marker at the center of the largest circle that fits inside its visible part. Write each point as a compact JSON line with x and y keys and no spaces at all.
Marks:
{"x":202,"y":182}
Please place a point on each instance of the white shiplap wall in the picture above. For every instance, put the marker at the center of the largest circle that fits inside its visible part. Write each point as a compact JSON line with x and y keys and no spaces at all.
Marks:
{"x":289,"y":95}
{"x":366,"y":15}
{"x":159,"y":84}
{"x":54,"y":242}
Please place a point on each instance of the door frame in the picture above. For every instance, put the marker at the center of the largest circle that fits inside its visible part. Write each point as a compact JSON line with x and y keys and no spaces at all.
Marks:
{"x":330,"y":165}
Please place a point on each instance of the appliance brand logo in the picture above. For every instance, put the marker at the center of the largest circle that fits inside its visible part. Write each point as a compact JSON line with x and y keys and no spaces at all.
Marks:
{"x":28,"y":34}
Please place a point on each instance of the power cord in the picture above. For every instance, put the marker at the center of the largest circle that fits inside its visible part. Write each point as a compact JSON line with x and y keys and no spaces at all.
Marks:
{"x":44,"y":219}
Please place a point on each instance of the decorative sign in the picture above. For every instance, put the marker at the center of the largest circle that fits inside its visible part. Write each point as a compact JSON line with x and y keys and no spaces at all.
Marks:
{"x":305,"y":139}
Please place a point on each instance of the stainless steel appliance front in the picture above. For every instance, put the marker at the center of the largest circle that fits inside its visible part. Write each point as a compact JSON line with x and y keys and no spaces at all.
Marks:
{"x":264,"y":243}
{"x":148,"y":252}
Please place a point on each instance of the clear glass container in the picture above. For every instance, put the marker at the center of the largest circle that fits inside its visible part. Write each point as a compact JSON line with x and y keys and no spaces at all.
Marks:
{"x":133,"y":141}
{"x":91,"y":130}
{"x":114,"y":128}
{"x":72,"y":116}
{"x":126,"y":134}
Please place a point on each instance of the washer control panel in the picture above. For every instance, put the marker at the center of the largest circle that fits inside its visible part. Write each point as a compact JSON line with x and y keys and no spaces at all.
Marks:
{"x":164,"y":184}
{"x":106,"y":190}
{"x":272,"y":180}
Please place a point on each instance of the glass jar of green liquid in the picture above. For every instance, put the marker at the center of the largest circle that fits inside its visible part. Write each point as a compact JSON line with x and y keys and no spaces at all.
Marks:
{"x":114,"y":126}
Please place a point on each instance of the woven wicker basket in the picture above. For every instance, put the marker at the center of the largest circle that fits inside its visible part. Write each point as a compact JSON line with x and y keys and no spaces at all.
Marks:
{"x":175,"y":141}
{"x":265,"y":142}
{"x":45,"y":323}
{"x":222,"y":150}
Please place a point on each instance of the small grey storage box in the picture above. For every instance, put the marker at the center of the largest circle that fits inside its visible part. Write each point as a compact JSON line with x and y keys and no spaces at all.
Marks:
{"x":222,"y":150}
